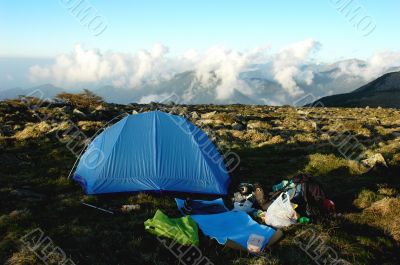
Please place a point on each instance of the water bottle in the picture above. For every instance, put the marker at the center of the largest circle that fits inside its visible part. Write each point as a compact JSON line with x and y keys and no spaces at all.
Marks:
{"x":304,"y":220}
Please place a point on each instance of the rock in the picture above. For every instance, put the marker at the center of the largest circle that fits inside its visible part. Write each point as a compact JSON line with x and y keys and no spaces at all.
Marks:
{"x":302,"y":112}
{"x":78,"y":113}
{"x":100,"y":107}
{"x":66,"y":109}
{"x":27,"y":195}
{"x":238,"y":126}
{"x":241,"y":118}
{"x":376,"y":159}
{"x":207,"y":131}
{"x":195,"y":115}
{"x":206,"y":121}
{"x":6,"y":130}
{"x":134,"y":112}
{"x":17,"y":127}
{"x":184,"y":110}
{"x":208,"y":115}
{"x":314,"y":125}
{"x":254,"y":125}
{"x":367,"y":107}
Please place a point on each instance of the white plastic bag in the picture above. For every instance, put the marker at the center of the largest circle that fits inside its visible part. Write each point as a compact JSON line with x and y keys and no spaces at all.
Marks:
{"x":281,"y":213}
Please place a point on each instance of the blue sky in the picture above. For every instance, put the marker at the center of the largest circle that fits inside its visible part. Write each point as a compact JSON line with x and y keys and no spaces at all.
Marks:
{"x":142,"y":42}
{"x":47,"y":28}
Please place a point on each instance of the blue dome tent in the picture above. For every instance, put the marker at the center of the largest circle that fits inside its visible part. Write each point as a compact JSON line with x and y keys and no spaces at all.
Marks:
{"x":152,"y":151}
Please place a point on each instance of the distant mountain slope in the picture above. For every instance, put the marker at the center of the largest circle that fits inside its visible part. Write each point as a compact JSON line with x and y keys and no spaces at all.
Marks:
{"x":382,"y":92}
{"x":43,"y":91}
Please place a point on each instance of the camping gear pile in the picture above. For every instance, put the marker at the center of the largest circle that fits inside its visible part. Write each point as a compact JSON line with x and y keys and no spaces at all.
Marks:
{"x":160,"y":152}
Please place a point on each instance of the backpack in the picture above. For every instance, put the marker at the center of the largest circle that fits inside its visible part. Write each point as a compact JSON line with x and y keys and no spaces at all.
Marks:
{"x":313,"y":194}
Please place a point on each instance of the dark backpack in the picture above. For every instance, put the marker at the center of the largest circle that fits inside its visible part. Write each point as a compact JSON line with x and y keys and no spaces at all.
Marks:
{"x":313,"y":193}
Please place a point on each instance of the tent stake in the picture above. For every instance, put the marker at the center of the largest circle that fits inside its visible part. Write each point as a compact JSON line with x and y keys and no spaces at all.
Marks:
{"x":98,"y":208}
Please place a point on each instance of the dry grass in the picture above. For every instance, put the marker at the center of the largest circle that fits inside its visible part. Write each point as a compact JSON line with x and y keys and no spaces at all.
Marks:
{"x":365,"y":198}
{"x":33,"y":131}
{"x":23,"y":257}
{"x":258,"y":125}
{"x":385,"y":214}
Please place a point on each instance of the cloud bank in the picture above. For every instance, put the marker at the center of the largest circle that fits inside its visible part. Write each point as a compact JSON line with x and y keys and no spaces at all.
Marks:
{"x":220,"y":66}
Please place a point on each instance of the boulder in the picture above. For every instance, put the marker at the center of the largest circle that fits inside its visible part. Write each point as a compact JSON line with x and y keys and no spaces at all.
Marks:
{"x":302,"y":112}
{"x":205,"y":122}
{"x":17,"y":127}
{"x":238,"y":126}
{"x":208,"y":115}
{"x":374,"y":160}
{"x":195,"y":115}
{"x":101,"y":107}
{"x":314,"y":125}
{"x":66,"y":109}
{"x":78,"y":113}
{"x":241,"y":118}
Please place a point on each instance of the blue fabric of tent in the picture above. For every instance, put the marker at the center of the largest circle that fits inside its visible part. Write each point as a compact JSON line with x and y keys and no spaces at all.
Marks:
{"x":152,"y":151}
{"x":236,"y":226}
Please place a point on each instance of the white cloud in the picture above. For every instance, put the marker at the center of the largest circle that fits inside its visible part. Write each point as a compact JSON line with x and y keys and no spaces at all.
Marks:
{"x":149,"y":67}
{"x":226,"y":65}
{"x":92,"y":66}
{"x":153,"y":98}
{"x":287,"y":66}
{"x":217,"y":70}
{"x":38,"y":73}
{"x":378,"y":64}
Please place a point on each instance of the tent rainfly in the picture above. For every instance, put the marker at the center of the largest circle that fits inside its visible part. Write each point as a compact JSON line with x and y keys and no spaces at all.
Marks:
{"x":152,"y":151}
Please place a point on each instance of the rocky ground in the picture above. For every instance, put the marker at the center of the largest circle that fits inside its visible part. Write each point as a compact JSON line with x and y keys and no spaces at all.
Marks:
{"x":354,"y":152}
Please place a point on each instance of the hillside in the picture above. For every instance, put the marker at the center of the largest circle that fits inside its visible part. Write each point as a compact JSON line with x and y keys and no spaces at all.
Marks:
{"x":38,"y":146}
{"x":382,"y":92}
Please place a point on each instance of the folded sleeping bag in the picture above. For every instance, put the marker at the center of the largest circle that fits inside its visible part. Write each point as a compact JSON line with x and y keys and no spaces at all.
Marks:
{"x":235,"y":226}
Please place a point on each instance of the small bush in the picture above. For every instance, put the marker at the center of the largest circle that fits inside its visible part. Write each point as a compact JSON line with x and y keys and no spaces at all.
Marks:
{"x":86,"y":99}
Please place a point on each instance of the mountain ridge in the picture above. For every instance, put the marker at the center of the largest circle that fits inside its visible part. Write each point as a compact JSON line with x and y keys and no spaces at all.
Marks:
{"x":381,"y":92}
